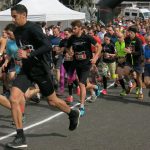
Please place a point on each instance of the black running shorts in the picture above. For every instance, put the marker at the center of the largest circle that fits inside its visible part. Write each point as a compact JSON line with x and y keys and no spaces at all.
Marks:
{"x":44,"y":82}
{"x":83,"y":73}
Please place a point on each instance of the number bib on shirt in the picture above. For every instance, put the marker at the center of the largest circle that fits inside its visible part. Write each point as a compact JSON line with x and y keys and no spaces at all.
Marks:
{"x":80,"y":55}
{"x":68,"y":59}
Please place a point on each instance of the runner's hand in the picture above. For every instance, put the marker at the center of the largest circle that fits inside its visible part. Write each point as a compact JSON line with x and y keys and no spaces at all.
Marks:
{"x":19,"y":63}
{"x":128,"y":50}
{"x":4,"y":66}
{"x":22,"y":54}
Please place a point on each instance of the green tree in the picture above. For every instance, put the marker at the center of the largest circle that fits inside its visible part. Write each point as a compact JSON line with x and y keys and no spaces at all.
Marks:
{"x":78,"y":4}
{"x":8,"y":3}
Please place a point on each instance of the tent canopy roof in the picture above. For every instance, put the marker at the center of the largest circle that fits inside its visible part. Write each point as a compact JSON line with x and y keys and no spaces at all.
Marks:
{"x":45,"y":10}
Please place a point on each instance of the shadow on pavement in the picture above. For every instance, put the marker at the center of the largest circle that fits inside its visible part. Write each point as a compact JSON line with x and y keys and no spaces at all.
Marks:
{"x":7,"y":127}
{"x":125,"y":100}
{"x":42,"y":135}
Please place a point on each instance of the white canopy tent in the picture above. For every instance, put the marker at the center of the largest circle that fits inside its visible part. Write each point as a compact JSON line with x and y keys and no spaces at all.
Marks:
{"x":44,"y":10}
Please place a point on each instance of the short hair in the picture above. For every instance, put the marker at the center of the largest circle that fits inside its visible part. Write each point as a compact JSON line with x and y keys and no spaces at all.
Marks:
{"x":43,"y":24}
{"x":110,"y":27}
{"x":56,"y":27}
{"x":10,"y":27}
{"x":59,"y":23}
{"x":68,"y":29}
{"x":20,"y":9}
{"x":133,"y":28}
{"x":91,"y":29}
{"x":103,"y":27}
{"x":77,"y":23}
{"x":107,"y":35}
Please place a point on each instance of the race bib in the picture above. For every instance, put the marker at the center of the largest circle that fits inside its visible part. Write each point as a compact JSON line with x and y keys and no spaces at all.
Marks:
{"x":80,"y":55}
{"x":68,"y":58}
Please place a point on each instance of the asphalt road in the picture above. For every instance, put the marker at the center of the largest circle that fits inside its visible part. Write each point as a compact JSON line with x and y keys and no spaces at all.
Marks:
{"x":111,"y":123}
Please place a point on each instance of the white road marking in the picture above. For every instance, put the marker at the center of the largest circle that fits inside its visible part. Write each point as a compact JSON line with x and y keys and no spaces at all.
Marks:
{"x":41,"y":122}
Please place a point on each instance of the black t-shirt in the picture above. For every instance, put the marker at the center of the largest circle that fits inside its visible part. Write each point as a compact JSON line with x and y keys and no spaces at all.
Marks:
{"x":137,"y":50}
{"x":80,"y":45}
{"x":31,"y":34}
{"x":63,"y":43}
{"x":110,"y":49}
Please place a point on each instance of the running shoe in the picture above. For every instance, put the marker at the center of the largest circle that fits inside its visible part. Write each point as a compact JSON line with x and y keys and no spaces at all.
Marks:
{"x":18,"y":142}
{"x":104,"y":92}
{"x":78,"y":91}
{"x":88,"y":98}
{"x":35,"y":99}
{"x":93,"y":99}
{"x":74,"y":119}
{"x":69,"y":99}
{"x":82,"y":111}
{"x":140,"y":96}
{"x":123,"y":93}
{"x":97,"y":91}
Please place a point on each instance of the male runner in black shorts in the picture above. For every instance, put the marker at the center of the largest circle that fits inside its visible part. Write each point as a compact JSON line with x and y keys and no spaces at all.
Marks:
{"x":80,"y":45}
{"x":34,"y":68}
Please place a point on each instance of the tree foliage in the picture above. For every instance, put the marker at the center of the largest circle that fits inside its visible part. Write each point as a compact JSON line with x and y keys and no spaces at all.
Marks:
{"x":77,"y":3}
{"x":8,"y":3}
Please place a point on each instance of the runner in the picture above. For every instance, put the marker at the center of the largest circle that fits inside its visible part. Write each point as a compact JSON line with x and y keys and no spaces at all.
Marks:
{"x":134,"y":52}
{"x":57,"y":55}
{"x":69,"y":66}
{"x":121,"y":54}
{"x":12,"y":68}
{"x":3,"y":77}
{"x":147,"y":63}
{"x":79,"y":44}
{"x":34,"y":68}
{"x":108,"y":61}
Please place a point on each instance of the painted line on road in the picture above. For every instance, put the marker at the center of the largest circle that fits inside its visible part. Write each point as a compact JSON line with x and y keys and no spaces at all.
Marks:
{"x":43,"y":121}
{"x":37,"y":124}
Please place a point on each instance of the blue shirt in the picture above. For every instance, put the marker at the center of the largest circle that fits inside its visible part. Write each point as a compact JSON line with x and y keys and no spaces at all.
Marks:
{"x":11,"y":50}
{"x":55,"y":40}
{"x":147,"y":51}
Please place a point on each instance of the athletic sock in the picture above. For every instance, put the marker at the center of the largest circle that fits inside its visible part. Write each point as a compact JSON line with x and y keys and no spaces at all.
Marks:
{"x":20,"y":132}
